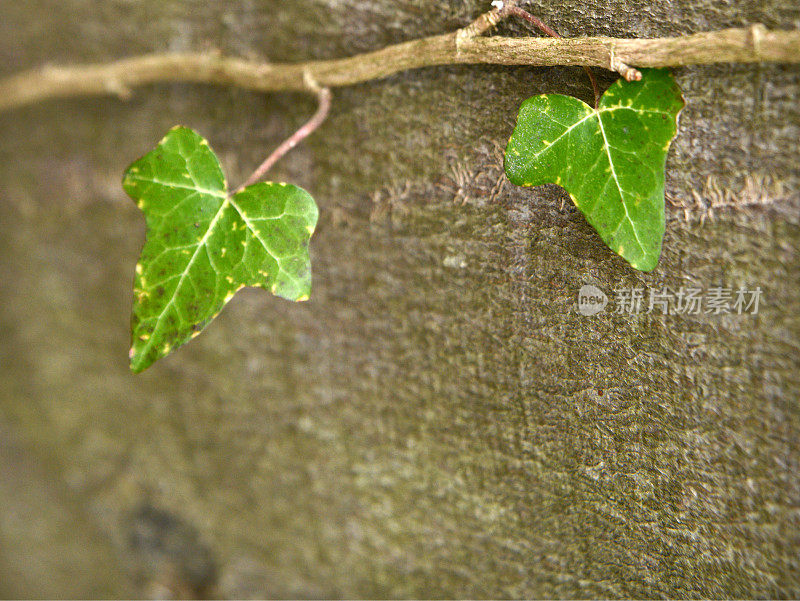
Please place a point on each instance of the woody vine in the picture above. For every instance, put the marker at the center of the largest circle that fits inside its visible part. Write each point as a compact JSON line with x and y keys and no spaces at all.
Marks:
{"x":205,"y":242}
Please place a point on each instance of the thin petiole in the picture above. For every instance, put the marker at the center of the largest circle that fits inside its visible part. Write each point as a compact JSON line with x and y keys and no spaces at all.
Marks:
{"x":546,"y":29}
{"x":324,"y":99}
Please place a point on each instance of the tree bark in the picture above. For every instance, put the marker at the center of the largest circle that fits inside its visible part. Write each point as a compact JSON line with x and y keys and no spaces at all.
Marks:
{"x":439,"y":420}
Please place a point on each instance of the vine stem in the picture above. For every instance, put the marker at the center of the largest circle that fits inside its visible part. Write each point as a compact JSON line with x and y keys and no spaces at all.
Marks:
{"x":537,"y":22}
{"x":324,"y":107}
{"x":482,"y":24}
{"x":754,"y":44}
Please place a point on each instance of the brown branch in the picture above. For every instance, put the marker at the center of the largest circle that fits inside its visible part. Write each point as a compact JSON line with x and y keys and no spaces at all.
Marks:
{"x":746,"y":45}
{"x":537,"y":22}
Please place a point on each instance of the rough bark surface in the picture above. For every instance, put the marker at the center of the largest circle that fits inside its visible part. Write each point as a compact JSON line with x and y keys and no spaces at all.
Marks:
{"x":439,"y":420}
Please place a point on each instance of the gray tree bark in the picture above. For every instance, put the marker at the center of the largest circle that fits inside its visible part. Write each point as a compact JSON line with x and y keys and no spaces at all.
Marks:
{"x":439,"y":420}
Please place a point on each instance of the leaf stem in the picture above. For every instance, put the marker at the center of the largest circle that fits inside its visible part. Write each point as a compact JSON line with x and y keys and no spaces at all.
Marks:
{"x":537,"y":22}
{"x":324,"y":107}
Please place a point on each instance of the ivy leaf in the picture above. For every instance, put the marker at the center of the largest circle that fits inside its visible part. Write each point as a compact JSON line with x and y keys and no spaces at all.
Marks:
{"x":203,"y":244}
{"x":611,"y":159}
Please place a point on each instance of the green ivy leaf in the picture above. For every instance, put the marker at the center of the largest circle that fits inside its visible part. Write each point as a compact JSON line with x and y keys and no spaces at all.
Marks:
{"x":611,"y":160}
{"x":204,"y":244}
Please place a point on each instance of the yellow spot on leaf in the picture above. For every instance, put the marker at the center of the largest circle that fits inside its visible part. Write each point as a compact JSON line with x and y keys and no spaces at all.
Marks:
{"x":303,"y":298}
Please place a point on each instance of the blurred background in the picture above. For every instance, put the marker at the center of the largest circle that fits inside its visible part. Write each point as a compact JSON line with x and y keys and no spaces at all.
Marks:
{"x":439,"y":420}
